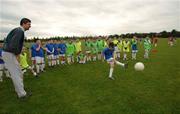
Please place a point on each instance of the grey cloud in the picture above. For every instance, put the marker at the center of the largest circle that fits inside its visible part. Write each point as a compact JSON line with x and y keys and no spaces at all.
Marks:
{"x":79,"y":17}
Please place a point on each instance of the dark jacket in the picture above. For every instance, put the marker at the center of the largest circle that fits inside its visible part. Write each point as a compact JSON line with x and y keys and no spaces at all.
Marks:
{"x":14,"y":41}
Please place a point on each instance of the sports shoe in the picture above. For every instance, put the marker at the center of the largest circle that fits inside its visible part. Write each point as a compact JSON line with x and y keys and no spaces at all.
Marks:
{"x":126,"y":65}
{"x":26,"y":96}
{"x":112,"y":78}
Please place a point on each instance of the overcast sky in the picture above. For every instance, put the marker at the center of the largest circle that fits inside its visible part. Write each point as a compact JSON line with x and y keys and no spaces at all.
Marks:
{"x":90,"y":17}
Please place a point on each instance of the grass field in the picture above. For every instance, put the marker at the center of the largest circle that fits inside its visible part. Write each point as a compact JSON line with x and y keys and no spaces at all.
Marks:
{"x":86,"y":88}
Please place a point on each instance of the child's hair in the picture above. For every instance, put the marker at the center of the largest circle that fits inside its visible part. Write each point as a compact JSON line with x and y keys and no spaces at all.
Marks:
{"x":111,"y":45}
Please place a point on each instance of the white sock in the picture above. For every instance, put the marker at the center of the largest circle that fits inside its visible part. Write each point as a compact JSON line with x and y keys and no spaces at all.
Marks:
{"x":37,"y":68}
{"x":119,"y":63}
{"x":134,"y":55}
{"x":118,"y":55}
{"x":49,"y":62}
{"x":69,"y":60}
{"x":124,"y":56}
{"x":52,"y":62}
{"x":111,"y":72}
{"x":94,"y":59}
{"x":57,"y":61}
{"x":41,"y":67}
{"x":72,"y":59}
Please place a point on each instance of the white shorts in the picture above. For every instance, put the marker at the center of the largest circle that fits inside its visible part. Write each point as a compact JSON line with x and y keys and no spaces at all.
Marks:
{"x":39,"y":60}
{"x":116,"y":49}
{"x":56,"y":56}
{"x":110,"y":60}
{"x":88,"y":52}
{"x":50,"y":57}
{"x":134,"y":51}
{"x":32,"y":58}
{"x":61,"y":55}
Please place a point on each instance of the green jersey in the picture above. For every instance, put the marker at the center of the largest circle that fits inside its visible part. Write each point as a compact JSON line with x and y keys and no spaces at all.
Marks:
{"x":94,"y":48}
{"x":23,"y":60}
{"x":147,"y":44}
{"x":100,"y":45}
{"x":120,"y":45}
{"x":88,"y":45}
{"x":70,"y":49}
{"x":126,"y":46}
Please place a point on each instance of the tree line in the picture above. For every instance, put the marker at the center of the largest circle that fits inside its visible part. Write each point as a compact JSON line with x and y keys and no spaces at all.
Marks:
{"x":163,"y":34}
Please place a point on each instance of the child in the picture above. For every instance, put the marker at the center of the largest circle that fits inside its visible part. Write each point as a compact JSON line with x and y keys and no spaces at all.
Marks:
{"x":118,"y":48}
{"x":62,"y":52}
{"x":78,"y":48}
{"x":100,"y":46}
{"x":126,"y":48}
{"x":56,"y":53}
{"x":2,"y":66}
{"x":94,"y":49}
{"x":40,"y":64}
{"x":70,"y":52}
{"x":171,"y":41}
{"x":23,"y":62}
{"x":147,"y":47}
{"x":88,"y":49}
{"x":134,"y":47}
{"x":50,"y":50}
{"x":108,"y":53}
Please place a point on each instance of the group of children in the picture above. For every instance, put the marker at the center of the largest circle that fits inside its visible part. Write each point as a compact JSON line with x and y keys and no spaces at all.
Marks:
{"x":73,"y":50}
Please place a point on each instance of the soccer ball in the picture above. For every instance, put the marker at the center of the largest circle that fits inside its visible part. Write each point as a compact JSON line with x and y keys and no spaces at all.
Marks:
{"x":139,"y":66}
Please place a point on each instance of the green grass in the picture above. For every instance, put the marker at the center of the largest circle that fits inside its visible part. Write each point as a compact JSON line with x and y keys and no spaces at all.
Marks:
{"x":86,"y":89}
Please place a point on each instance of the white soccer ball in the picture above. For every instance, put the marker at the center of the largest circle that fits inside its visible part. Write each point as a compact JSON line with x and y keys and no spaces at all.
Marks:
{"x":139,"y":66}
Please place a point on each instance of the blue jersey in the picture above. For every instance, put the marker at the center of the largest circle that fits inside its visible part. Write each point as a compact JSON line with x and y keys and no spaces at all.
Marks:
{"x":33,"y":50}
{"x":108,"y":53}
{"x":50,"y":48}
{"x":1,"y":61}
{"x":134,"y":46}
{"x":62,"y":48}
{"x":56,"y":52}
{"x":39,"y":53}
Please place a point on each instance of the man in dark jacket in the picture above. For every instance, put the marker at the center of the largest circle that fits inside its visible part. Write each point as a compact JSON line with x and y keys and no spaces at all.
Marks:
{"x":12,"y":47}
